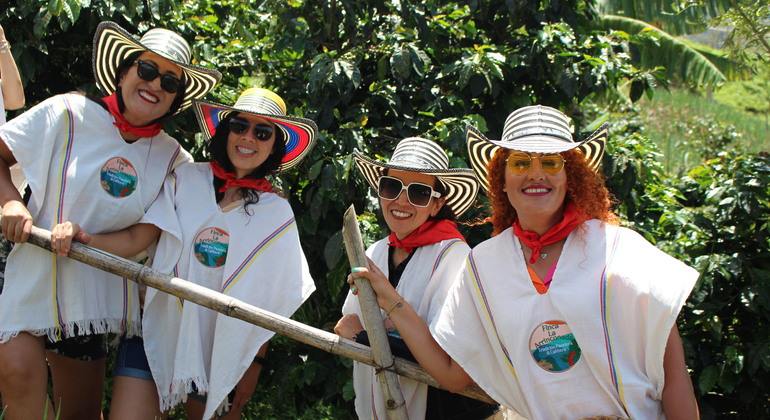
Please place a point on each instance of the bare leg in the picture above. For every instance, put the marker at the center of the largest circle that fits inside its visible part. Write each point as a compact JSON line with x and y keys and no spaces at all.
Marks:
{"x":233,"y":414}
{"x":24,"y":377}
{"x":194,"y":409}
{"x":134,"y":398}
{"x":78,"y":386}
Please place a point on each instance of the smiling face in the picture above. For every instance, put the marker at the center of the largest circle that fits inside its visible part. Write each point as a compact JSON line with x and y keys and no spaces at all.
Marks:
{"x":537,"y":197}
{"x":245,"y":151}
{"x":401,"y":216}
{"x":145,"y":100}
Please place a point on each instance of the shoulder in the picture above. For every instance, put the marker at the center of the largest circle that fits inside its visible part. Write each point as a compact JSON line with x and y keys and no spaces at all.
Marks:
{"x":63,"y":104}
{"x":378,"y":251}
{"x":165,"y":140}
{"x":273,"y":205}
{"x":452,"y":246}
{"x":191,"y":175}
{"x":635,"y":256}
{"x":493,"y":244}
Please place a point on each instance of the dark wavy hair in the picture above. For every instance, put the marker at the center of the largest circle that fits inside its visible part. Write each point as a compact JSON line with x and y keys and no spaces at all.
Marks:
{"x":125,"y":66}
{"x":444,"y":213}
{"x":585,"y":188}
{"x":216,"y":147}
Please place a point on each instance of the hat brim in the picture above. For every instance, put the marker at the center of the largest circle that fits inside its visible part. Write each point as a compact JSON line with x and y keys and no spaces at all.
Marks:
{"x":460,"y":183}
{"x":300,"y":134}
{"x":481,"y":149}
{"x":113,"y":44}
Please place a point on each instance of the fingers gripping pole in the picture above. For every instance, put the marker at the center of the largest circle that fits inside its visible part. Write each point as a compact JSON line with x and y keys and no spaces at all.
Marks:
{"x":391,"y":389}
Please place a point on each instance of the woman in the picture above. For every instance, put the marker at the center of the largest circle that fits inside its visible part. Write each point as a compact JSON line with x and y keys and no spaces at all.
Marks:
{"x":101,"y":161}
{"x":562,"y":314}
{"x":11,"y":89}
{"x":223,"y":227}
{"x":11,"y":97}
{"x":421,"y":198}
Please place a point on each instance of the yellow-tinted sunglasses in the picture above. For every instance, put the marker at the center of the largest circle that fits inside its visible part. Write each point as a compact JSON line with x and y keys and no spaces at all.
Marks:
{"x":520,"y":162}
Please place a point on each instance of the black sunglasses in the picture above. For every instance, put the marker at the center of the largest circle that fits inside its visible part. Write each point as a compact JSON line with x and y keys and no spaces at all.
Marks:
{"x":148,"y":72}
{"x":262,"y":132}
{"x":419,"y":194}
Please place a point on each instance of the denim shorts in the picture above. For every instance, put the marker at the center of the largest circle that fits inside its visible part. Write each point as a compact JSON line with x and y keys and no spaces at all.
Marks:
{"x":131,"y":359}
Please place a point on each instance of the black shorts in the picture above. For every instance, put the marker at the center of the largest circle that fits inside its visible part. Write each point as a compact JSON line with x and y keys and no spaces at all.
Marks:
{"x":82,"y":347}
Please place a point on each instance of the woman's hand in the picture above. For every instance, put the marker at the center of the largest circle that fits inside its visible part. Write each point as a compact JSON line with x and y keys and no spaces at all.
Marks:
{"x":349,"y":326}
{"x":17,"y":221}
{"x":63,"y":234}
{"x":387,"y":295}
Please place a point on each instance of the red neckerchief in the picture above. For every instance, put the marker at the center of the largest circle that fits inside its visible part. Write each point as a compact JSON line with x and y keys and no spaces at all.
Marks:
{"x":146,"y":131}
{"x":431,"y":232}
{"x":571,"y":219}
{"x":260,"y":184}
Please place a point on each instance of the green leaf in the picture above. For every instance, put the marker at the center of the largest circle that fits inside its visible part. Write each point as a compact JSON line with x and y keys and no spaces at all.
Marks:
{"x":315,"y":170}
{"x":333,"y":250}
{"x":708,"y":378}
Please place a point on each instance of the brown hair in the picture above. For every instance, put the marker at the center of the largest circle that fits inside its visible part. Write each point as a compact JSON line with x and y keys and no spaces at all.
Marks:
{"x":585,"y":188}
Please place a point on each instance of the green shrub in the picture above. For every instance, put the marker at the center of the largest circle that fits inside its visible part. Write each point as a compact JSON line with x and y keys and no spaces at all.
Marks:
{"x":717,"y":220}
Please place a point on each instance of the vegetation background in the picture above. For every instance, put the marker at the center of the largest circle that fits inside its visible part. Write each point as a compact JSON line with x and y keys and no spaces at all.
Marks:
{"x":690,"y":173}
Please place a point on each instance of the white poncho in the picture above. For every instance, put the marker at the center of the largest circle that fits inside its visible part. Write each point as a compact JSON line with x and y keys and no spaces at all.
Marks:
{"x":424,"y":284}
{"x":255,"y":258}
{"x":79,"y":169}
{"x":592,"y":345}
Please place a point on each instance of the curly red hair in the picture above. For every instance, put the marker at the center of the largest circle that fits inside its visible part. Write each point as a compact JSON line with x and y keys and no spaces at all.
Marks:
{"x":585,"y":188}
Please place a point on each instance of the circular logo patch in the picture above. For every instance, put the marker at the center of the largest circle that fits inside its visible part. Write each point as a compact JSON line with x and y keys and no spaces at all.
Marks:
{"x":553,"y":346}
{"x":211,"y":247}
{"x":118,"y":177}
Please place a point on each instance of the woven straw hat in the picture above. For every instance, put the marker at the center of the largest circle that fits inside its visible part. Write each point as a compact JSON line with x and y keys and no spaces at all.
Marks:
{"x":299,"y":133}
{"x":534,"y":129}
{"x":415,"y":154}
{"x":112,"y":45}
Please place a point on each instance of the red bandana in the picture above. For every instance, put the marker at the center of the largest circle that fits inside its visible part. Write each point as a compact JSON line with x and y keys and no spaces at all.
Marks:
{"x":555,"y":234}
{"x":120,"y":122}
{"x":430,"y":232}
{"x":260,"y":184}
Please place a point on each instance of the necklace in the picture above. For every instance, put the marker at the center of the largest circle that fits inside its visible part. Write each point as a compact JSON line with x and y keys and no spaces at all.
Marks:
{"x":543,"y":255}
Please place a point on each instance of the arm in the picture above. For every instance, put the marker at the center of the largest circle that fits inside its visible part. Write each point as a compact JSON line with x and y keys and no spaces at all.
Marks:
{"x":13,"y":91}
{"x":678,"y":395}
{"x":124,"y":243}
{"x":415,"y":332}
{"x":248,"y":383}
{"x":17,"y":221}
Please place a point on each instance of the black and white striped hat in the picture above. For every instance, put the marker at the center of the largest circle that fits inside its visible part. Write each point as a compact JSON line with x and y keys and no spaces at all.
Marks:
{"x":534,"y":129}
{"x":415,"y":154}
{"x":299,"y":133}
{"x":112,"y":45}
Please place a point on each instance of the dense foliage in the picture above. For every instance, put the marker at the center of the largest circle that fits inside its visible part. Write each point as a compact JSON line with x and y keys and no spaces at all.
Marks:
{"x":372,"y":72}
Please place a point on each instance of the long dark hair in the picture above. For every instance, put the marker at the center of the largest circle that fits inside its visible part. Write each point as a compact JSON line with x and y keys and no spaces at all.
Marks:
{"x":445,"y":212}
{"x":125,"y":66}
{"x":216,"y":147}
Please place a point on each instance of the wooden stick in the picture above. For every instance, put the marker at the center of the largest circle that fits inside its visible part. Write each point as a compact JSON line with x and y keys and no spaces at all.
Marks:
{"x":391,"y":388}
{"x":235,"y":308}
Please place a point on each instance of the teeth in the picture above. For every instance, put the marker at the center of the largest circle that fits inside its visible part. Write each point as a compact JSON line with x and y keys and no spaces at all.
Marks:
{"x":147,"y":96}
{"x":245,"y":151}
{"x":400,"y":213}
{"x":535,"y":190}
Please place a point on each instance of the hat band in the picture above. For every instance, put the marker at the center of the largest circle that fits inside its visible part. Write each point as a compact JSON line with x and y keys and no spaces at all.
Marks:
{"x":539,"y":131}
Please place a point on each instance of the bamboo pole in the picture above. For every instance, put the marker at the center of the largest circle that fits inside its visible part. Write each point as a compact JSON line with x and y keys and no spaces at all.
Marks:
{"x":320,"y":339}
{"x":391,"y":388}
